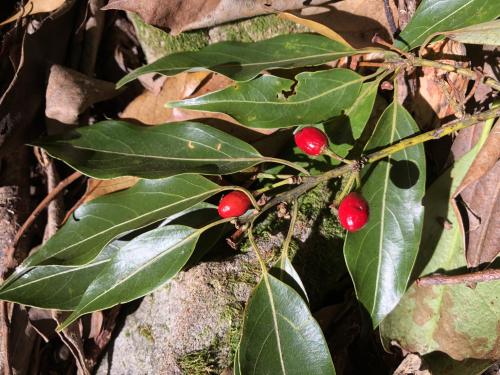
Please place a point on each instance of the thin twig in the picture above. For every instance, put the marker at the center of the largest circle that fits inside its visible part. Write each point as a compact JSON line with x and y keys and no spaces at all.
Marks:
{"x":4,"y":336}
{"x":44,"y":203}
{"x":473,"y":277}
{"x":390,"y":17}
{"x":474,"y":88}
{"x":456,"y":69}
{"x":375,"y":64}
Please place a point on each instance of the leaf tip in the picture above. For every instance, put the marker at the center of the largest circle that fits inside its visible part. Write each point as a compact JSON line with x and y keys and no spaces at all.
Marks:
{"x":69,"y":320}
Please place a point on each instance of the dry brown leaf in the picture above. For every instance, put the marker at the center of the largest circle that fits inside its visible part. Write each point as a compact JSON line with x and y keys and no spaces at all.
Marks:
{"x":485,"y":159}
{"x":182,"y":15}
{"x":482,"y":200}
{"x":34,"y":7}
{"x":480,"y":193}
{"x":72,"y":338}
{"x":70,"y":93}
{"x":435,"y":87}
{"x":357,"y":21}
{"x":314,"y":26}
{"x":149,"y":108}
{"x":97,"y":188}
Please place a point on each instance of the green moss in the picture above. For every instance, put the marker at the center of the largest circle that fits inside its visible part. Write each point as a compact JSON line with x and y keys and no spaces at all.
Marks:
{"x":146,"y":332}
{"x":233,"y":315}
{"x":255,"y":29}
{"x":157,"y":43}
{"x":200,"y":362}
{"x":211,"y":360}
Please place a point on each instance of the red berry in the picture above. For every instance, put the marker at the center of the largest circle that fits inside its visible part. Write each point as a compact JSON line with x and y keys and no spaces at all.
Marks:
{"x":236,"y":203}
{"x":311,"y":140}
{"x":353,"y":212}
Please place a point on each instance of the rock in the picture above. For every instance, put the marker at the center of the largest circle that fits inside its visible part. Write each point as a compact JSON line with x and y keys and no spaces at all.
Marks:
{"x":188,"y":326}
{"x":192,"y":325}
{"x":70,"y":93}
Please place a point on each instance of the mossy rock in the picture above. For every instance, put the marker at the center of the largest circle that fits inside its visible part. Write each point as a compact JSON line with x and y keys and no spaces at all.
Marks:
{"x":157,"y":43}
{"x":190,"y":326}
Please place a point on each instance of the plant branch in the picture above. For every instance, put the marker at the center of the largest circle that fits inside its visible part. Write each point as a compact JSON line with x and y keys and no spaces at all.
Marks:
{"x":289,"y":235}
{"x":456,"y":69}
{"x":309,"y":182}
{"x":474,"y":277}
{"x":433,"y":134}
{"x":287,"y":181}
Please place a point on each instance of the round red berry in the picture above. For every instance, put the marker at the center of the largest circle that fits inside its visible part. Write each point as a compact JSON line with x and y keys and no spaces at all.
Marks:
{"x":236,"y":203}
{"x":311,"y":140}
{"x":353,"y":212}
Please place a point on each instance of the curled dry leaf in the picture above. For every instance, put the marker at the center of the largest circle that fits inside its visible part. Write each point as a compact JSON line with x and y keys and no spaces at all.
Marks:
{"x":485,"y":160}
{"x":97,"y":188}
{"x":182,"y":15}
{"x":72,"y":338}
{"x":314,"y":26}
{"x":34,"y":7}
{"x":480,"y":193}
{"x":412,"y":364}
{"x":69,"y":93}
{"x":482,"y":199}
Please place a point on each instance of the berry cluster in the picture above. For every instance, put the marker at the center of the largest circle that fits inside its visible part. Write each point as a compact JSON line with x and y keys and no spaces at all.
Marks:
{"x":353,"y":211}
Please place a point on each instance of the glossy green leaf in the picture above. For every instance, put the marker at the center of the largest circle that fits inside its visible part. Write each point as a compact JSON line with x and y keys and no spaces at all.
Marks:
{"x":434,"y":16}
{"x":267,"y":103}
{"x":57,"y":287}
{"x":144,"y":264}
{"x":97,"y":222}
{"x":344,"y":130}
{"x":380,"y":257}
{"x":455,"y":319}
{"x":485,"y":33}
{"x":244,"y":61}
{"x":284,"y":271}
{"x":279,"y":334}
{"x":112,"y":149}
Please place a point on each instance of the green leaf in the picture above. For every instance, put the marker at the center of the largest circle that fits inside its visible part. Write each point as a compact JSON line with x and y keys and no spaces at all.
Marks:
{"x":279,"y":334}
{"x":112,"y":149}
{"x":97,"y":222}
{"x":57,"y":287}
{"x":265,"y":103}
{"x":434,"y":16}
{"x":485,"y":33}
{"x":144,"y":264}
{"x":284,"y":271}
{"x":244,"y":61}
{"x":455,"y":319}
{"x":344,"y":130}
{"x":380,"y":257}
